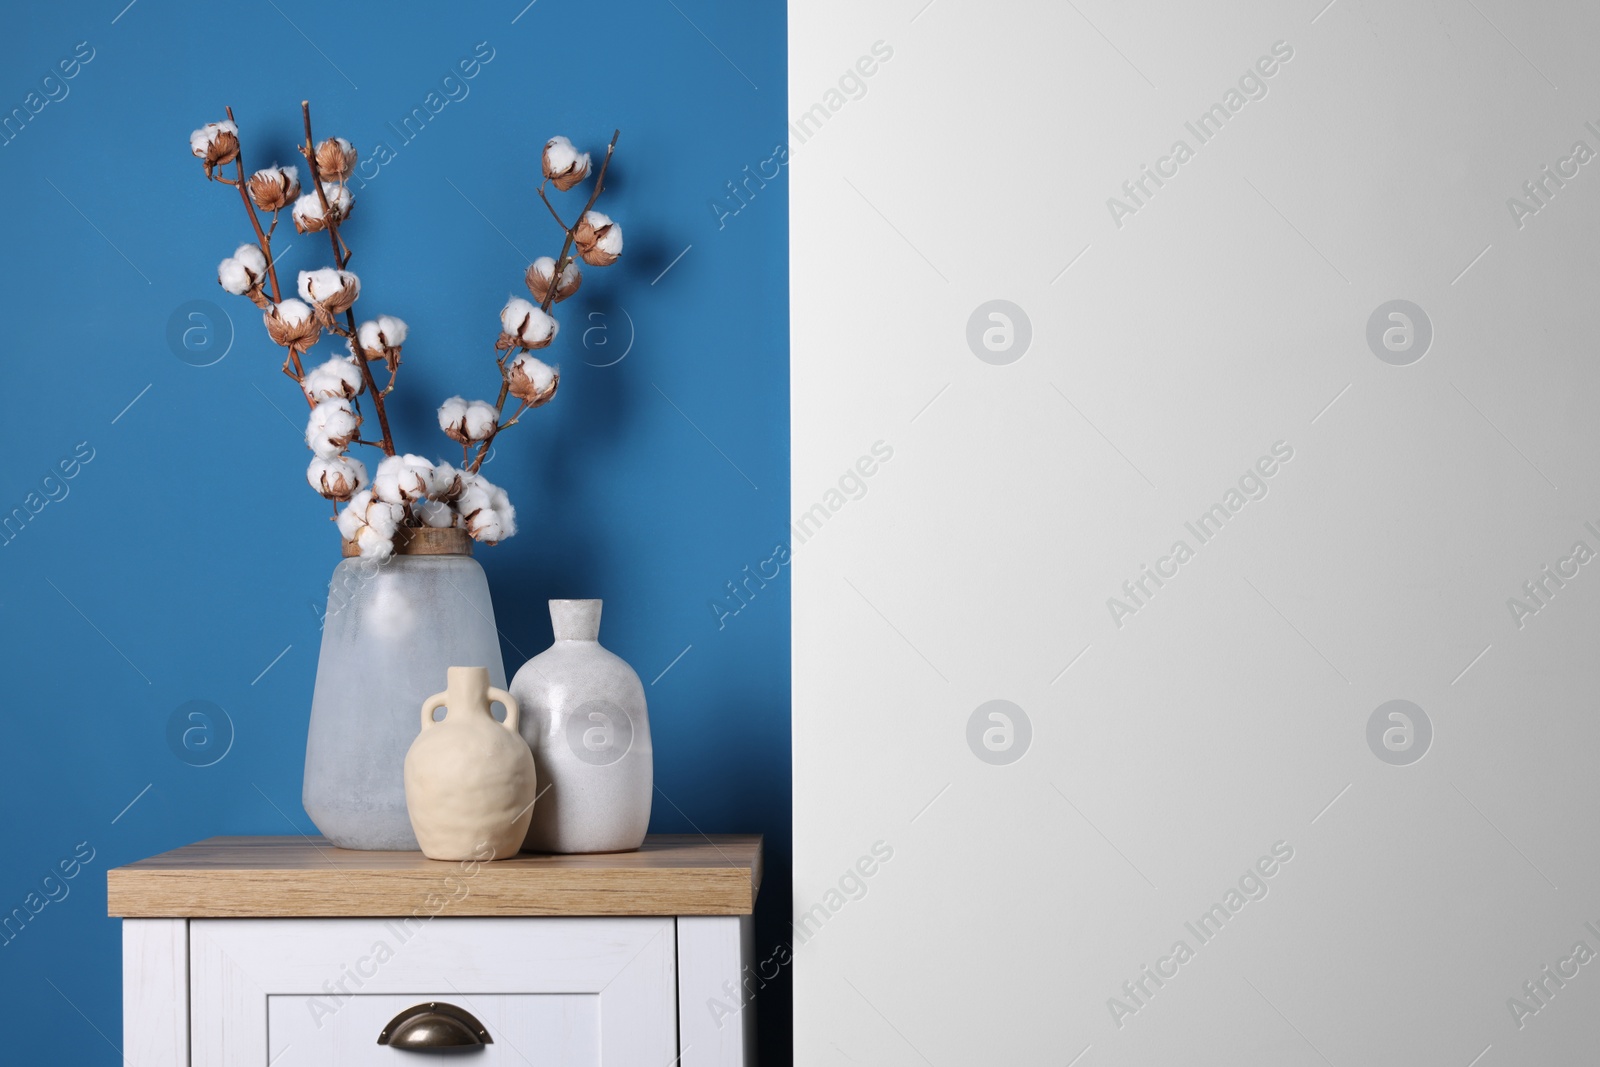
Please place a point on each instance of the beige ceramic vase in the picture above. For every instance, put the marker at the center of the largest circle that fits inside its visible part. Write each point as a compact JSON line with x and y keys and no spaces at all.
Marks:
{"x":470,"y":781}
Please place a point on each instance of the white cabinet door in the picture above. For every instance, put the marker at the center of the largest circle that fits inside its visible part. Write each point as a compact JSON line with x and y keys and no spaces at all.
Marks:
{"x":551,"y":992}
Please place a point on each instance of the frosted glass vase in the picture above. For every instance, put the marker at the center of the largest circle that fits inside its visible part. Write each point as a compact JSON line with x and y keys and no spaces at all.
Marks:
{"x":391,"y":633}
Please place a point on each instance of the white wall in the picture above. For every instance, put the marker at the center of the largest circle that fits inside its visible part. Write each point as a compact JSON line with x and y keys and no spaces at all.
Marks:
{"x":1224,"y":318}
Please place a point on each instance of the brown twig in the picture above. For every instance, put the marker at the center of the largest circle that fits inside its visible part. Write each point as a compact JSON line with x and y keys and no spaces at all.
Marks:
{"x":547,"y":204}
{"x":562,"y":262}
{"x":263,"y":239}
{"x":341,"y":258}
{"x":566,"y":246}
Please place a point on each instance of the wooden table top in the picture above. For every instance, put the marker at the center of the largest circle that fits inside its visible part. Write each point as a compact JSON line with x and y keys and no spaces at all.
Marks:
{"x":275,"y":877}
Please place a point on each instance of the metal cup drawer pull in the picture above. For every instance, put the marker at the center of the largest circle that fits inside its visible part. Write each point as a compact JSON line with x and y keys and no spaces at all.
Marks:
{"x":434,"y":1025}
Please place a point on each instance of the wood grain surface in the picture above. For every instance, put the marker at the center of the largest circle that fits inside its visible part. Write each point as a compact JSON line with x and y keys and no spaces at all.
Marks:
{"x":269,"y":877}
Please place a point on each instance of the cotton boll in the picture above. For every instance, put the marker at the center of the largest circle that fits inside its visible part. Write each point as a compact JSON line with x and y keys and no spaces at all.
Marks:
{"x":292,"y":312}
{"x":291,"y":323}
{"x":339,"y":198}
{"x":382,"y":337}
{"x":491,"y":526}
{"x":384,"y":516}
{"x":274,"y":188}
{"x":481,"y":419}
{"x":488,"y":527}
{"x":525,"y":326}
{"x":403,"y":479}
{"x":532,"y":380}
{"x":542,"y":270}
{"x":375,"y":544}
{"x":331,"y":291}
{"x":336,"y":158}
{"x":332,"y":380}
{"x":202,"y":140}
{"x":326,"y":278}
{"x":563,"y":164}
{"x":353,"y":517}
{"x":331,"y":427}
{"x":453,"y":418}
{"x":243,"y":272}
{"x":337,"y":477}
{"x":308,"y":215}
{"x":434,"y":513}
{"x":467,"y":421}
{"x":234,"y":277}
{"x":371,"y":524}
{"x":513,"y":314}
{"x":253,"y":258}
{"x":447,"y":482}
{"x":215,"y":144}
{"x":500,"y":504}
{"x":598,"y":238}
{"x":474,"y":496}
{"x":387,"y":484}
{"x":486,"y":511}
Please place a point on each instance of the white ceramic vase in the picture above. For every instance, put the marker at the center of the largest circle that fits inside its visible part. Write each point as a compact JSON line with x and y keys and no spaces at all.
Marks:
{"x":470,"y":781}
{"x":583,"y":715}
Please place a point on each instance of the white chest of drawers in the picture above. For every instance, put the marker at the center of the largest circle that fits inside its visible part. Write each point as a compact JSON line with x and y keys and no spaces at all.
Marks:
{"x":289,"y":952}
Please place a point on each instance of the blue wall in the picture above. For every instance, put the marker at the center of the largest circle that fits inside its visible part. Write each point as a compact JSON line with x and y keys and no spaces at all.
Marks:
{"x":187,"y":554}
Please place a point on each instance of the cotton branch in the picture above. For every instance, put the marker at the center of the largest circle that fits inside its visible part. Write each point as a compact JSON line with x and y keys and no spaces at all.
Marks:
{"x":341,"y":257}
{"x":565,"y":258}
{"x":291,"y":364}
{"x":263,"y":239}
{"x":563,"y":261}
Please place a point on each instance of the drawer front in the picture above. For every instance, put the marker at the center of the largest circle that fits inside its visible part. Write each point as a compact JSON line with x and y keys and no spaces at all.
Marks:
{"x":538,"y":1030}
{"x":550,"y":992}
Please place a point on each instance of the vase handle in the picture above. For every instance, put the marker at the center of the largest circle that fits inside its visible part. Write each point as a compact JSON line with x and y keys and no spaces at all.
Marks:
{"x":431,"y":705}
{"x":512,"y":715}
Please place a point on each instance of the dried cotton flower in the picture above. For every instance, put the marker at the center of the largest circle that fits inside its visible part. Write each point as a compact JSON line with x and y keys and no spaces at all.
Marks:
{"x":337,"y":477}
{"x":331,"y":427}
{"x":334,"y":380}
{"x":541,"y":270}
{"x":253,"y":259}
{"x":243,"y":273}
{"x":467,"y":421}
{"x":331,"y":291}
{"x":563,"y":164}
{"x":371,"y":524}
{"x":447,"y":483}
{"x":215,"y":144}
{"x":403,"y":479}
{"x":234,"y":277}
{"x":308,"y":217}
{"x":532,"y":380}
{"x":375,"y":544}
{"x":524,"y":325}
{"x":599,"y":240}
{"x":336,"y":158}
{"x":434,"y":513}
{"x":291,"y":324}
{"x":274,"y":188}
{"x":486,"y":511}
{"x":381,"y":338}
